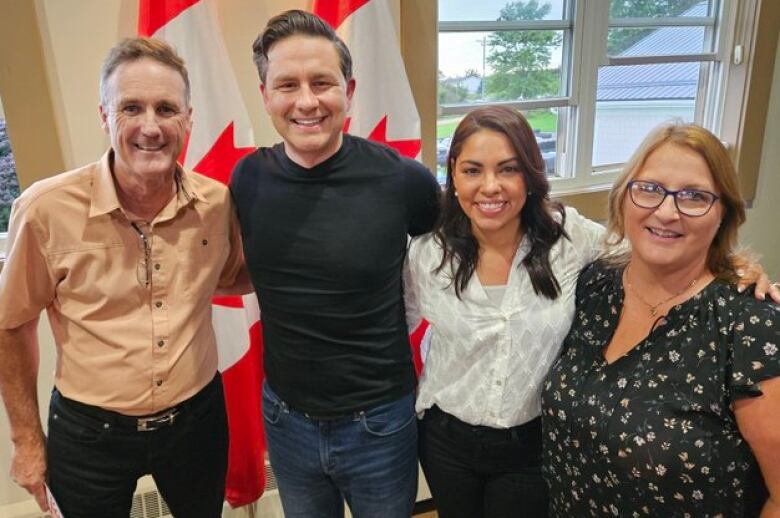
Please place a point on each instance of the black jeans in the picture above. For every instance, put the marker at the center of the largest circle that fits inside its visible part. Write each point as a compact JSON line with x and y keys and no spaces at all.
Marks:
{"x":95,"y":457}
{"x":479,"y":471}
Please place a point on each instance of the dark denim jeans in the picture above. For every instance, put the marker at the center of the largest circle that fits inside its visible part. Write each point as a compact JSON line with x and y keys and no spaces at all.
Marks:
{"x":95,"y":457}
{"x":483,"y":472}
{"x":368,"y":458}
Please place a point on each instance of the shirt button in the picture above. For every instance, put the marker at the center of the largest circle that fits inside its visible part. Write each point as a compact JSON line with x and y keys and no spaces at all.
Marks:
{"x":157,"y":266}
{"x":498,"y":382}
{"x":161,"y":343}
{"x":159,"y":382}
{"x":158,"y":304}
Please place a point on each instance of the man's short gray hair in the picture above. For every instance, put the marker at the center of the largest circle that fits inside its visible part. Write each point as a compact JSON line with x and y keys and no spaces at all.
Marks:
{"x":133,"y":49}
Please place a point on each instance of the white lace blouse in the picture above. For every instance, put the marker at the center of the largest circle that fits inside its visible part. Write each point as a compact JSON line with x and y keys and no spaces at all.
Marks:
{"x":486,"y":362}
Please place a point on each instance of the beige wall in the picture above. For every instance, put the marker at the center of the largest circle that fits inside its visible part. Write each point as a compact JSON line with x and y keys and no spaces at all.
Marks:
{"x":760,"y":231}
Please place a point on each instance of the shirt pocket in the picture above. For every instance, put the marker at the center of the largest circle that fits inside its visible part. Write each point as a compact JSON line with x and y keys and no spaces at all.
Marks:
{"x":200,"y":262}
{"x":90,"y":275}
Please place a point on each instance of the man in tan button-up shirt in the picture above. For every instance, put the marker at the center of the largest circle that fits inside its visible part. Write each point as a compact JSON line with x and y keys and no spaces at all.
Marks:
{"x":124,"y":255}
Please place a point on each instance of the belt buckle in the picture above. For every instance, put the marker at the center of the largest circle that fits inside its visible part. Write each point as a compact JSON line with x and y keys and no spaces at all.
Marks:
{"x":148,"y":424}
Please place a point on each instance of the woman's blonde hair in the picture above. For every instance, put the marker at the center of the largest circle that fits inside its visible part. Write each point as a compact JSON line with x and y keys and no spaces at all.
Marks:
{"x":721,"y":259}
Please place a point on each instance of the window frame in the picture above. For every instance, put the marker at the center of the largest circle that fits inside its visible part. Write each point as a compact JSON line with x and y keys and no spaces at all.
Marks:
{"x":580,"y":66}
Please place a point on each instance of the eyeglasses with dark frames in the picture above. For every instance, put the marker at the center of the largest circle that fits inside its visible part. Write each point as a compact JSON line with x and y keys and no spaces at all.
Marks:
{"x":690,"y":202}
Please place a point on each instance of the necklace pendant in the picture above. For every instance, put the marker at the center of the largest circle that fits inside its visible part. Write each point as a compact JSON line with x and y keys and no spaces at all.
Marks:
{"x":653,"y":311}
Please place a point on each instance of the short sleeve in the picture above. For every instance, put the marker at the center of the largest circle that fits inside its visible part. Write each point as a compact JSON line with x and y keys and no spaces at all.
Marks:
{"x":586,"y":235}
{"x":26,"y":285}
{"x":755,"y":342}
{"x":422,"y":193}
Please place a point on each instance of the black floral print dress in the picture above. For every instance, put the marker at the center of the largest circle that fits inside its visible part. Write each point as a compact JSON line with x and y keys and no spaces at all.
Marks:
{"x":653,"y":433}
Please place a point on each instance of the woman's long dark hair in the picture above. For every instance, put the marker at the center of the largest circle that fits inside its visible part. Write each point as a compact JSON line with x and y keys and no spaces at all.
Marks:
{"x":539,"y":225}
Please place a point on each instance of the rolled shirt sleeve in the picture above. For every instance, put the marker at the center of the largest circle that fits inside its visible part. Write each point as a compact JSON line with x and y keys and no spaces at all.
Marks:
{"x":26,"y":283}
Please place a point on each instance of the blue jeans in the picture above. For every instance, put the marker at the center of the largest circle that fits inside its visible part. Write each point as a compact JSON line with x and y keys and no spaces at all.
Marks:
{"x":95,"y":457}
{"x":368,"y":458}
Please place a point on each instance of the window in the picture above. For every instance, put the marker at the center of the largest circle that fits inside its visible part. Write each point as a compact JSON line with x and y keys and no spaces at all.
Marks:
{"x":9,"y":185}
{"x":592,"y":81}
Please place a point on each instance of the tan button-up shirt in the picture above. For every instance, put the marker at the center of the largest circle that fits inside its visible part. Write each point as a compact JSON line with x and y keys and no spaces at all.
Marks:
{"x":132,"y":325}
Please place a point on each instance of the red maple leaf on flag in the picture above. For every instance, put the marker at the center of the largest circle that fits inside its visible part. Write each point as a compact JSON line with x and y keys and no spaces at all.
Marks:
{"x":219,"y":161}
{"x":409,"y":148}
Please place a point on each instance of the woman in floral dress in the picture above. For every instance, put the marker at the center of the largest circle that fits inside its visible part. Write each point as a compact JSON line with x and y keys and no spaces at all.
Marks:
{"x":666,"y":399}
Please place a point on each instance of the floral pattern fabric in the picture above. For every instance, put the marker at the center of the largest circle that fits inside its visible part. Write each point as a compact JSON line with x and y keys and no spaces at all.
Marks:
{"x":653,"y":433}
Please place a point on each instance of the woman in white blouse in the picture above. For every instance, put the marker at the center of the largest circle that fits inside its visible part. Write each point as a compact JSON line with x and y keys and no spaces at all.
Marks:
{"x":496,"y":282}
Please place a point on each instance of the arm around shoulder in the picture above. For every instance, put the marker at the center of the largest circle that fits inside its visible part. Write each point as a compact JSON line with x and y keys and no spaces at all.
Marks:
{"x":758,"y":419}
{"x":587,"y":236}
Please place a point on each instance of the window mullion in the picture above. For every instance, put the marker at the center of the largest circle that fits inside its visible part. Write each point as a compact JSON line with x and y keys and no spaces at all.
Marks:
{"x":725,"y":40}
{"x":661,"y":58}
{"x":667,"y":21}
{"x":592,"y":53}
{"x":531,"y":104}
{"x":515,"y":25}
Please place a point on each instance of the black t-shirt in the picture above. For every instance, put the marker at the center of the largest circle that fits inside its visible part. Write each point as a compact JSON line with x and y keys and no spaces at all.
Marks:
{"x":325,"y":248}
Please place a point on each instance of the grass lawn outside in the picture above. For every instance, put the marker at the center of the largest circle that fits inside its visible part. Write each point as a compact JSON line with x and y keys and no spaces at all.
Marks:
{"x":540,"y":120}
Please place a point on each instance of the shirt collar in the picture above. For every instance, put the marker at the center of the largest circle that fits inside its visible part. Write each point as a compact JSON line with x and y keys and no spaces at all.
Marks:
{"x":104,"y":198}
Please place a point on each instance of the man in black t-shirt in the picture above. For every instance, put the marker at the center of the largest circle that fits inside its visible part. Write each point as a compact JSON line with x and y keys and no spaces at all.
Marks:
{"x":325,"y":219}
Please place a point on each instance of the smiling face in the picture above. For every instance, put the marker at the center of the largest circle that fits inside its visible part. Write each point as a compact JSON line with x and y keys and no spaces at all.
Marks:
{"x":307,"y":97}
{"x":490,"y":185}
{"x":146,"y":117}
{"x":662,"y":238}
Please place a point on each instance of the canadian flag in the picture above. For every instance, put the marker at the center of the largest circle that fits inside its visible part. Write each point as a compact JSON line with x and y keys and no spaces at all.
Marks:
{"x":383,"y":107}
{"x":221,"y":134}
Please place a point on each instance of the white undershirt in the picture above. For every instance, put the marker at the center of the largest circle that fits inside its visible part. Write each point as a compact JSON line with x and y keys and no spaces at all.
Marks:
{"x":495,"y":293}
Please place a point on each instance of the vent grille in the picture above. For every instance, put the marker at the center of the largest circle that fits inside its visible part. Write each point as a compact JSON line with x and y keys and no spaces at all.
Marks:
{"x":149,"y":504}
{"x":270,"y":478}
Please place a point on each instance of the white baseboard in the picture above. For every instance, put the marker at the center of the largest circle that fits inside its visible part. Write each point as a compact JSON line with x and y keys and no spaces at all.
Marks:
{"x":24,"y":509}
